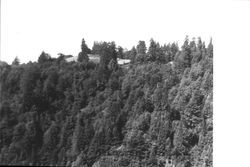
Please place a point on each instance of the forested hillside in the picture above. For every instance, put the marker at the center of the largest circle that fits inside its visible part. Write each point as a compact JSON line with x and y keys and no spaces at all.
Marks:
{"x":54,"y":112}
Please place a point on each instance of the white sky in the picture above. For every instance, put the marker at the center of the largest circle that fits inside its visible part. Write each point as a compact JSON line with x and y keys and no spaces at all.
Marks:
{"x":30,"y":26}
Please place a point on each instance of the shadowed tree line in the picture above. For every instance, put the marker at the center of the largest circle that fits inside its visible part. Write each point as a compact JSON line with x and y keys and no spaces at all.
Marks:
{"x":54,"y":112}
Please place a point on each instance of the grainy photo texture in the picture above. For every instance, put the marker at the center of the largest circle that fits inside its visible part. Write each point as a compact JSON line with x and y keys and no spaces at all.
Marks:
{"x":107,"y":106}
{"x":110,"y":107}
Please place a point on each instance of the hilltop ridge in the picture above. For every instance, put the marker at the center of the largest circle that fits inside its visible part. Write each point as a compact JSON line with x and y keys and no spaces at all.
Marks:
{"x":81,"y":113}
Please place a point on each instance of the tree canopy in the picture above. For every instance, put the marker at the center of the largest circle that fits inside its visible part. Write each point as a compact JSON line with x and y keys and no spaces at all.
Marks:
{"x":59,"y":113}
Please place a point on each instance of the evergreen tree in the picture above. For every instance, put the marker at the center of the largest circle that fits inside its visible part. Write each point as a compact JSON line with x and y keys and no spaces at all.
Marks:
{"x":210,"y":49}
{"x":186,"y":56}
{"x":141,"y":52}
{"x":174,"y":49}
{"x":141,"y":47}
{"x":28,"y":83}
{"x":70,"y":114}
{"x":132,"y":54}
{"x":16,"y":61}
{"x":83,"y":55}
{"x":97,"y":47}
{"x":151,"y":55}
{"x":84,"y":47}
{"x":155,"y":52}
{"x":44,"y":57}
{"x":120,"y":53}
{"x":113,"y":66}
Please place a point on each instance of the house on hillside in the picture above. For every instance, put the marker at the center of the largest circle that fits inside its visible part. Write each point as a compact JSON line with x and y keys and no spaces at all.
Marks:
{"x":70,"y":59}
{"x":123,"y":61}
{"x":64,"y":56}
{"x":95,"y":58}
{"x":92,"y":57}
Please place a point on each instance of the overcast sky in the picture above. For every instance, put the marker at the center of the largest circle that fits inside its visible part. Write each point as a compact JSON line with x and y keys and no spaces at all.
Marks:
{"x":30,"y":26}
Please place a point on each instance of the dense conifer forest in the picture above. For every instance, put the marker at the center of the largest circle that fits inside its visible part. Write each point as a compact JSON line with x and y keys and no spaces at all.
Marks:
{"x":59,"y":113}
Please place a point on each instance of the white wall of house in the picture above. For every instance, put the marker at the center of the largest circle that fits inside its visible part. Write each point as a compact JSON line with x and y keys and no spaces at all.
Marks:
{"x":96,"y":59}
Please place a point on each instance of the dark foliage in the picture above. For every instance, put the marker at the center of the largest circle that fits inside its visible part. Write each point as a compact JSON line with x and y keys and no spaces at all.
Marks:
{"x":54,"y":112}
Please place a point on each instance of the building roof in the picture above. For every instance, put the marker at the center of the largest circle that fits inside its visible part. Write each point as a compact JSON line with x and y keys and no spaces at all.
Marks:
{"x":96,"y":59}
{"x":70,"y":59}
{"x":123,"y":61}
